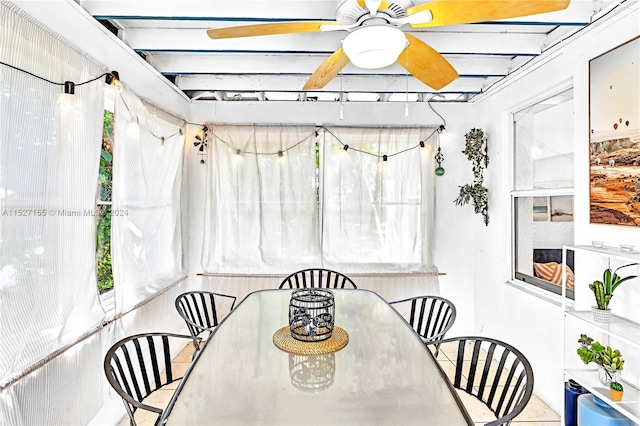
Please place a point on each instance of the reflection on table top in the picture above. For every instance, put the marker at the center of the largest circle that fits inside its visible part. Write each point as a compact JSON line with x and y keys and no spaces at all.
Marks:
{"x":384,"y":375}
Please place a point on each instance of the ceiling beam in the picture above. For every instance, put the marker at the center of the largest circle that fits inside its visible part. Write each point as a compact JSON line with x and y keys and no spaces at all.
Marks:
{"x":187,"y":40}
{"x":286,"y":83}
{"x":579,"y":11}
{"x":260,"y":9}
{"x":219,"y":63}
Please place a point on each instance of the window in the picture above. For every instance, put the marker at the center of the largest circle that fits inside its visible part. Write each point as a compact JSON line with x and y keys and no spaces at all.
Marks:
{"x":542,"y":192}
{"x":103,"y":206}
{"x":280,"y":198}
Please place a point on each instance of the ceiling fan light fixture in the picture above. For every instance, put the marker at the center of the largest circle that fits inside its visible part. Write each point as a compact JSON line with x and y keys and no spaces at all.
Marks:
{"x":374,"y":46}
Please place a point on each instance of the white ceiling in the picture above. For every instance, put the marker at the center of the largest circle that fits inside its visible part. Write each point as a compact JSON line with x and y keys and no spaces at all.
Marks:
{"x":171,"y":36}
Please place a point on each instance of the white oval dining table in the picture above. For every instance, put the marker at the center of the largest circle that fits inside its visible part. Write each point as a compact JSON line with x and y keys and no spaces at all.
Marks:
{"x":384,"y":375}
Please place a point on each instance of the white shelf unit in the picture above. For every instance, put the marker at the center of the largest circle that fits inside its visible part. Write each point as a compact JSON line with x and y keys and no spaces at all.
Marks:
{"x":621,"y":329}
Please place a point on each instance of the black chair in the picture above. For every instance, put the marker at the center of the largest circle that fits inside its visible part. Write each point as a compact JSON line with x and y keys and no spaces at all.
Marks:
{"x":430,"y":316}
{"x":496,"y":373}
{"x":317,"y":278}
{"x":138,"y":365}
{"x":200,"y":309}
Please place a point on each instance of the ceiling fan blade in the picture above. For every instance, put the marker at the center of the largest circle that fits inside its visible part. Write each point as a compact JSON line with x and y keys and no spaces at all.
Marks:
{"x":327,"y":71}
{"x":269,"y":29}
{"x":426,"y":64}
{"x":373,"y":5}
{"x":453,"y":12}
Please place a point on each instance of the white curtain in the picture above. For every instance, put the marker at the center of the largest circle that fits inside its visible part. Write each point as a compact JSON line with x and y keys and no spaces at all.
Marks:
{"x":261,"y":210}
{"x":378,"y":215}
{"x":146,"y":236}
{"x":49,"y":152}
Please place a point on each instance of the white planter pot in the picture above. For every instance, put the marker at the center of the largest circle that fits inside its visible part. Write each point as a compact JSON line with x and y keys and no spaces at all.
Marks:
{"x":601,"y":315}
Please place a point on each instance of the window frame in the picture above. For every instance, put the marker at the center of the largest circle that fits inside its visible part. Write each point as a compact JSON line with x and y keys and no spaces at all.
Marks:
{"x":529,"y":282}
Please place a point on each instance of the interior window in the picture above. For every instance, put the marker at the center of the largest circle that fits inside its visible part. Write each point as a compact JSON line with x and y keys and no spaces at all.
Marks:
{"x":542,"y":192}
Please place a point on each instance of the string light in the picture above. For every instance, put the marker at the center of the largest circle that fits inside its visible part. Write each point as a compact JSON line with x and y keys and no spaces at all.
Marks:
{"x":345,"y":147}
{"x":113,"y":78}
{"x":67,"y":98}
{"x":69,"y":88}
{"x":442,"y":128}
{"x":67,"y":84}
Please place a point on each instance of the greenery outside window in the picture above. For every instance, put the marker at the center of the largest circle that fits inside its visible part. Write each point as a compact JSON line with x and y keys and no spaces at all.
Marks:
{"x":542,"y":192}
{"x":103,"y":207}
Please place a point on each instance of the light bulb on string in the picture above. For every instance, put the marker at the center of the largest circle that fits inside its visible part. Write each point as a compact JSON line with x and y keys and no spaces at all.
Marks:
{"x":67,"y":98}
{"x":237,"y":156}
{"x":113,"y":79}
{"x":382,"y":163}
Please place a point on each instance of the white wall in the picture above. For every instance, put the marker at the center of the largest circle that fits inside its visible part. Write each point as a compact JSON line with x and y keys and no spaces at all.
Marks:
{"x":531,"y":323}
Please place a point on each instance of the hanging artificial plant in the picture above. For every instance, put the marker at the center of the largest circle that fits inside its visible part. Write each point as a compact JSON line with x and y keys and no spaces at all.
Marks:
{"x":475,"y":148}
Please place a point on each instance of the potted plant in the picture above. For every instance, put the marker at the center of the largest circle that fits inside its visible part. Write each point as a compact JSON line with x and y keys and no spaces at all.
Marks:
{"x":608,"y":360}
{"x":616,"y":390}
{"x":603,"y":292}
{"x":475,"y":148}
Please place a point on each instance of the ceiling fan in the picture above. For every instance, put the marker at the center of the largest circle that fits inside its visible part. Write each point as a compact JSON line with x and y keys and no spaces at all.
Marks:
{"x":375,"y":39}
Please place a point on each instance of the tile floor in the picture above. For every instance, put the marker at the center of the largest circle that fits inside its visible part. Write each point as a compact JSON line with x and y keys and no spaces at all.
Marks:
{"x":537,"y":413}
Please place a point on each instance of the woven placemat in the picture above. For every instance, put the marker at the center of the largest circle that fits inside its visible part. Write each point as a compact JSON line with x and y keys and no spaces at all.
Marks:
{"x":283,"y":340}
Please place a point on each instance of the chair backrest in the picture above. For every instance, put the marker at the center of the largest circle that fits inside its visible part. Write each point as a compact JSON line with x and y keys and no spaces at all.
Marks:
{"x":202,"y":310}
{"x":495,"y":372}
{"x":317,"y":278}
{"x":430,"y":316}
{"x":138,"y":365}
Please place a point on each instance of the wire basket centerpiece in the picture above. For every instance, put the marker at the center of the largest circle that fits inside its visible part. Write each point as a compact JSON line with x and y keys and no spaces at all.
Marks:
{"x":311,"y":314}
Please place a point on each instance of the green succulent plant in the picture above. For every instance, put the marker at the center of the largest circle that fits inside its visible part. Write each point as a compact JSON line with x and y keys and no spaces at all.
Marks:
{"x":603,"y":290}
{"x":592,"y":351}
{"x":616,"y":386}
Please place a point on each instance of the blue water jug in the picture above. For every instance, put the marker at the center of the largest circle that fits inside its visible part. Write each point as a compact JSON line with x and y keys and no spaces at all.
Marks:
{"x":592,"y":411}
{"x":572,"y":390}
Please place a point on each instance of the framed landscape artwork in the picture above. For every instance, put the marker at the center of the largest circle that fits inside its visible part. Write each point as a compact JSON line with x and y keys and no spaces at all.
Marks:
{"x":614,"y":136}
